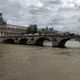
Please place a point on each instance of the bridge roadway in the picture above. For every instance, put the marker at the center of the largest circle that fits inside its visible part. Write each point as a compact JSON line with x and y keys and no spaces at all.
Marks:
{"x":57,"y":40}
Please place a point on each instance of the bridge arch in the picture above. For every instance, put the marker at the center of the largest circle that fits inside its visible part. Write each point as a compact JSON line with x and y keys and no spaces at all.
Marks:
{"x":40,"y":41}
{"x":23,"y":41}
{"x":63,"y":42}
{"x":8,"y":41}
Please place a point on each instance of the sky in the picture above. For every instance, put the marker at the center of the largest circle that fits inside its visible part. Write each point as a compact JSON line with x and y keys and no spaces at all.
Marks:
{"x":63,"y":15}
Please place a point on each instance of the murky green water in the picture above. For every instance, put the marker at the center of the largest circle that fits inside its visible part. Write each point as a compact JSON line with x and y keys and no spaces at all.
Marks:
{"x":21,"y":62}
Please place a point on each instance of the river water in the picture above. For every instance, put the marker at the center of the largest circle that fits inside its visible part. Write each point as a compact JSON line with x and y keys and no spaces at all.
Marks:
{"x":23,"y":62}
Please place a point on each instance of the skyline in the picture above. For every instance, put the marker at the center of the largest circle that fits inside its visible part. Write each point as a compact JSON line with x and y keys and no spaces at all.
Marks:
{"x":63,"y":15}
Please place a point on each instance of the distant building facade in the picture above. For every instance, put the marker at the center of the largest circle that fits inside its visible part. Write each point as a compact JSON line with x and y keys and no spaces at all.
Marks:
{"x":10,"y":30}
{"x":50,"y":31}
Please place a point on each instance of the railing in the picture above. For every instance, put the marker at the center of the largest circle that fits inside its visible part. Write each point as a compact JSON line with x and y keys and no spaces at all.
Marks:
{"x":43,"y":35}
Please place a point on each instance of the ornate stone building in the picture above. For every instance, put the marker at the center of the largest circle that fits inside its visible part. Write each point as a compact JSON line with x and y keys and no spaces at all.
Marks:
{"x":10,"y":30}
{"x":2,"y":25}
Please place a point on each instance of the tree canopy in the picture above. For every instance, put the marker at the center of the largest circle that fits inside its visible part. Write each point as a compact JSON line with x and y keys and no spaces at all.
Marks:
{"x":32,"y":29}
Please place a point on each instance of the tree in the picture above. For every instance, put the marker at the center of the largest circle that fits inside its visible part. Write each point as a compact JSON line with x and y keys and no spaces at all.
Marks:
{"x":35,"y":29}
{"x":28,"y":30}
{"x":32,"y":29}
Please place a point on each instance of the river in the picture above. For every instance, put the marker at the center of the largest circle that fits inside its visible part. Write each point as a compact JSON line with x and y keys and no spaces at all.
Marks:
{"x":24,"y":62}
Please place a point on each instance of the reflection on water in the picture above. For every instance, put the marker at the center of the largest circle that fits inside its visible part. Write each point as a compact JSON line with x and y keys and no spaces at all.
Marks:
{"x":23,"y":62}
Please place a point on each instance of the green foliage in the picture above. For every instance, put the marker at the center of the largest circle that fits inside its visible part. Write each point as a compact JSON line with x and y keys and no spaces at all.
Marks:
{"x":32,"y":29}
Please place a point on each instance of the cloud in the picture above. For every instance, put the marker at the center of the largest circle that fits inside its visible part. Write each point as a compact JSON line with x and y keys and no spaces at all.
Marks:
{"x":63,"y":15}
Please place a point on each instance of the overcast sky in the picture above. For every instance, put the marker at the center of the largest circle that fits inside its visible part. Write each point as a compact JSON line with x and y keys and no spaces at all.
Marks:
{"x":61,"y":14}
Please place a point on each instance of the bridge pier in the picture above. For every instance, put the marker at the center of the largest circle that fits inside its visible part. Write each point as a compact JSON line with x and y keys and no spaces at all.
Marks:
{"x":54,"y":44}
{"x":57,"y":45}
{"x":60,"y":42}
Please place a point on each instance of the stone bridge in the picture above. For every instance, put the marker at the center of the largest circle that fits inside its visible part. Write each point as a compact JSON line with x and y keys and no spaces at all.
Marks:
{"x":57,"y":40}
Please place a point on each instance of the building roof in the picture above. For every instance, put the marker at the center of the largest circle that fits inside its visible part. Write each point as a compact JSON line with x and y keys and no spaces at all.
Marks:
{"x":16,"y":26}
